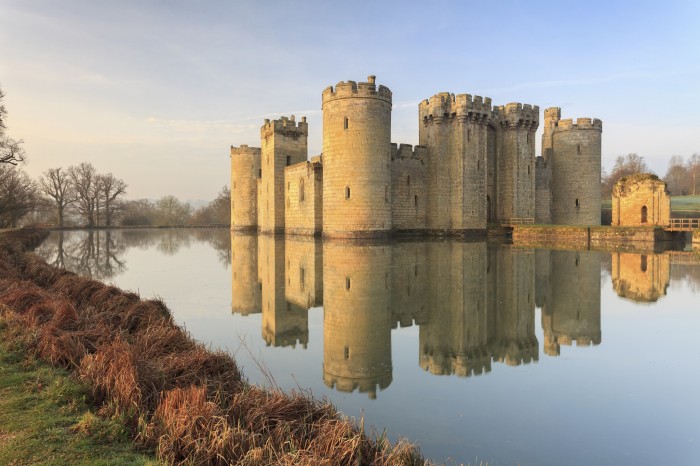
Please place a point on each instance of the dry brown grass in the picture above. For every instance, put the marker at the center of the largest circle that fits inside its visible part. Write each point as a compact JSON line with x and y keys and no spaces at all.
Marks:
{"x":188,"y":402}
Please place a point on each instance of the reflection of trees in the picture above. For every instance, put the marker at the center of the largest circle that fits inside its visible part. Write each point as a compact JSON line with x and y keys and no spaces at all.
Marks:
{"x":689,"y":273}
{"x":219,"y":239}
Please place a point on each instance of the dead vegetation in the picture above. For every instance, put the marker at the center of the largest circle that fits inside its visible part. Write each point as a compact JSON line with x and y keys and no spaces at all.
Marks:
{"x":190,"y":404}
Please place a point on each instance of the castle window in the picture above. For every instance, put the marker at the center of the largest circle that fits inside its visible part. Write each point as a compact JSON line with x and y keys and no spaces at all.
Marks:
{"x":478,"y":164}
{"x":301,"y":190}
{"x":347,"y":192}
{"x":346,"y":352}
{"x":302,"y":273}
{"x":259,"y":172}
{"x":415,"y":200}
{"x":643,"y":264}
{"x":578,"y":149}
{"x":386,"y":194}
{"x":347,"y":283}
{"x":345,"y":123}
{"x":577,"y":203}
{"x":644,"y":214}
{"x":408,"y":180}
{"x":289,"y":160}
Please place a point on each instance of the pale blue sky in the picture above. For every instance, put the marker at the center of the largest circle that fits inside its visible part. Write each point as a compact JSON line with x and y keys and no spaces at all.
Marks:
{"x":157,"y":91}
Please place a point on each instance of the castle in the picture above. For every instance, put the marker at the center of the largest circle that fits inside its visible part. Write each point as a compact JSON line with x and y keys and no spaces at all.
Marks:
{"x":475,"y":166}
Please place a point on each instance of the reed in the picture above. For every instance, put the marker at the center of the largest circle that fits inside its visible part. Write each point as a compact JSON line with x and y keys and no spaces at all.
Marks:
{"x":191,"y":404}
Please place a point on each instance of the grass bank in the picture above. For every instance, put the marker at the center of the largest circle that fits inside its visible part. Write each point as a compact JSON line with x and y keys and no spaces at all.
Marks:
{"x":46,"y":417}
{"x":173,"y":395}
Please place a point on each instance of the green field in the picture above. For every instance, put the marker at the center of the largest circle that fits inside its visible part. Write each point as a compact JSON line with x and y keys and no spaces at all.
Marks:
{"x":678,"y":204}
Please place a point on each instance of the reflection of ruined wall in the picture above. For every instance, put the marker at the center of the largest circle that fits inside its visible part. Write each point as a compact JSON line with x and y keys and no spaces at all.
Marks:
{"x":512,"y":305}
{"x":304,"y":197}
{"x":641,"y":277}
{"x":356,"y":316}
{"x":454,"y":338}
{"x":283,"y":323}
{"x":408,"y":196}
{"x":304,"y":271}
{"x":640,"y":199}
{"x":574,"y":312}
{"x":245,"y":291}
{"x":408,"y":282}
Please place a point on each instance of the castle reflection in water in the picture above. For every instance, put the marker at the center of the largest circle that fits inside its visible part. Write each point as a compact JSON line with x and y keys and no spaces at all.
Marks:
{"x":474,"y":302}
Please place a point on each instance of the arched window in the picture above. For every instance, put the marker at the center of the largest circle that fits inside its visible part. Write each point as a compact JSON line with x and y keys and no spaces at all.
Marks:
{"x":643,"y":264}
{"x":301,"y":190}
{"x":644,"y":214}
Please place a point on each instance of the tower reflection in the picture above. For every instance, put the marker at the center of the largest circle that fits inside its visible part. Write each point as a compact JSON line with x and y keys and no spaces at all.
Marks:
{"x":641,"y":277}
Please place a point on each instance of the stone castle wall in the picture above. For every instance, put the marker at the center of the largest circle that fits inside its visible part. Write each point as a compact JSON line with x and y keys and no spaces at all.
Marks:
{"x":245,"y":170}
{"x":409,"y":201}
{"x":641,"y":200}
{"x":543,"y":191}
{"x":304,"y":198}
{"x":356,"y":159}
{"x":283,"y":143}
{"x":576,"y":166}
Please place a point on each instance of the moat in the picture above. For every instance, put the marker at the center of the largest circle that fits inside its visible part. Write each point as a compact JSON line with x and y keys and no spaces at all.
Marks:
{"x":478,"y":351}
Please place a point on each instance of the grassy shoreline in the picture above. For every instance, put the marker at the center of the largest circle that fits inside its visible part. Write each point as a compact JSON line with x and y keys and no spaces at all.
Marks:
{"x":173,"y":395}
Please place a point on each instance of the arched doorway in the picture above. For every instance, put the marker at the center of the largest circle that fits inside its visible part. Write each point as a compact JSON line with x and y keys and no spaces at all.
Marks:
{"x":644,"y":214}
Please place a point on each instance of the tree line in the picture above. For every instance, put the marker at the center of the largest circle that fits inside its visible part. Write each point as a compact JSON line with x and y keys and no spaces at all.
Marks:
{"x":81,"y":196}
{"x":682,"y":176}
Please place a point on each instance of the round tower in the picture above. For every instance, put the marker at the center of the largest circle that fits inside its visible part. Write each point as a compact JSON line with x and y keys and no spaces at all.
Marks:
{"x":356,"y":159}
{"x":576,"y":165}
{"x":245,"y":170}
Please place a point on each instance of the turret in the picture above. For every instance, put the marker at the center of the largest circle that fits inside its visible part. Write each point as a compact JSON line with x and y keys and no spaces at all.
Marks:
{"x":356,"y":159}
{"x":245,"y":171}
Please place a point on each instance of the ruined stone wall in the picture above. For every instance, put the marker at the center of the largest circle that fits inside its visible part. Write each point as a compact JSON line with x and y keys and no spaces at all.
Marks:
{"x":516,"y":164}
{"x":304,"y":199}
{"x":356,"y":316}
{"x":304,"y":271}
{"x":543,"y":191}
{"x":641,"y":277}
{"x":576,"y":165}
{"x":408,"y":191}
{"x":283,"y":143}
{"x":641,"y":200}
{"x":454,"y":129}
{"x":283,"y":323}
{"x":455,"y":337}
{"x":574,"y":313}
{"x":245,"y":170}
{"x":356,"y":159}
{"x":245,"y":291}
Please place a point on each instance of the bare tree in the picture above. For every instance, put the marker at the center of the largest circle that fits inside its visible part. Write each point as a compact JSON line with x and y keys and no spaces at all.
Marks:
{"x":18,"y":195}
{"x":56,"y":184}
{"x":677,"y":176}
{"x":11,"y":151}
{"x":624,"y":166}
{"x":111,"y":188}
{"x":172,"y":212}
{"x":84,"y":179}
{"x":694,"y":172}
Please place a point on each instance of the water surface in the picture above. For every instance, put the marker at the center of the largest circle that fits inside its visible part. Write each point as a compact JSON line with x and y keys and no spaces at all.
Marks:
{"x":479,"y":352}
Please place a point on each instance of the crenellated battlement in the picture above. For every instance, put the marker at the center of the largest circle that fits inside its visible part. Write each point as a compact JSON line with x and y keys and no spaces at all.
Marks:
{"x":517,"y":115}
{"x":581,"y":123}
{"x":463,"y":106}
{"x":285,"y":125}
{"x":243,"y":149}
{"x":408,"y":152}
{"x":352,"y":89}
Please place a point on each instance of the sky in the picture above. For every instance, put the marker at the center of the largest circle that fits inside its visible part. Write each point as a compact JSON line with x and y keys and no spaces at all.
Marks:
{"x":156,"y":92}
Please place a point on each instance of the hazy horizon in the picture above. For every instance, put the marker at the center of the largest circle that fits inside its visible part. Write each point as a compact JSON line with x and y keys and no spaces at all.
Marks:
{"x":157,"y":92}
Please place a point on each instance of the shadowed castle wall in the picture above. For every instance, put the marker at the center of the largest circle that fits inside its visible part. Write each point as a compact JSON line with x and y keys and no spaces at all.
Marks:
{"x":304,"y":199}
{"x":245,"y":169}
{"x":574,"y":313}
{"x":283,"y":143}
{"x":576,"y":165}
{"x":283,"y":323}
{"x":356,"y":159}
{"x":641,"y":277}
{"x":543,"y":191}
{"x":408,"y":190}
{"x":245,"y":290}
{"x":454,"y":338}
{"x":356,"y":316}
{"x":304,"y":271}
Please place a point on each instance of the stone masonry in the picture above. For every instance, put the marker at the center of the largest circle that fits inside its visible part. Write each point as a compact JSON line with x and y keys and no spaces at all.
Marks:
{"x":641,"y":200}
{"x":475,"y":166}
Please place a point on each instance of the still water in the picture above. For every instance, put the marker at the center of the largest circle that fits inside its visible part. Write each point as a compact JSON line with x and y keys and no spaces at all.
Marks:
{"x":478,"y":351}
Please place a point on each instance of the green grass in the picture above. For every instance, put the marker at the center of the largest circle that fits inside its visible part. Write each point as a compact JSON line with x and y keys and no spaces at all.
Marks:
{"x":45,"y":418}
{"x":685,"y":203}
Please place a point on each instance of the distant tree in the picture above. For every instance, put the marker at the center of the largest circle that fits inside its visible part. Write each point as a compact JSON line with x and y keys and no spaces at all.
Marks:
{"x":624,"y":166}
{"x":677,"y":176}
{"x":172,"y":212}
{"x":11,"y":151}
{"x":217,"y":212}
{"x":56,"y":184}
{"x":84,"y":179}
{"x":140,"y":212}
{"x":111,"y":188}
{"x":694,"y":173}
{"x":18,"y":195}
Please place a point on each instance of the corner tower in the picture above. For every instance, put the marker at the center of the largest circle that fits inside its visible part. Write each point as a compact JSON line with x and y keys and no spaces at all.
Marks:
{"x":575,"y":161}
{"x":283,"y":143}
{"x":356,"y":159}
{"x":245,"y":169}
